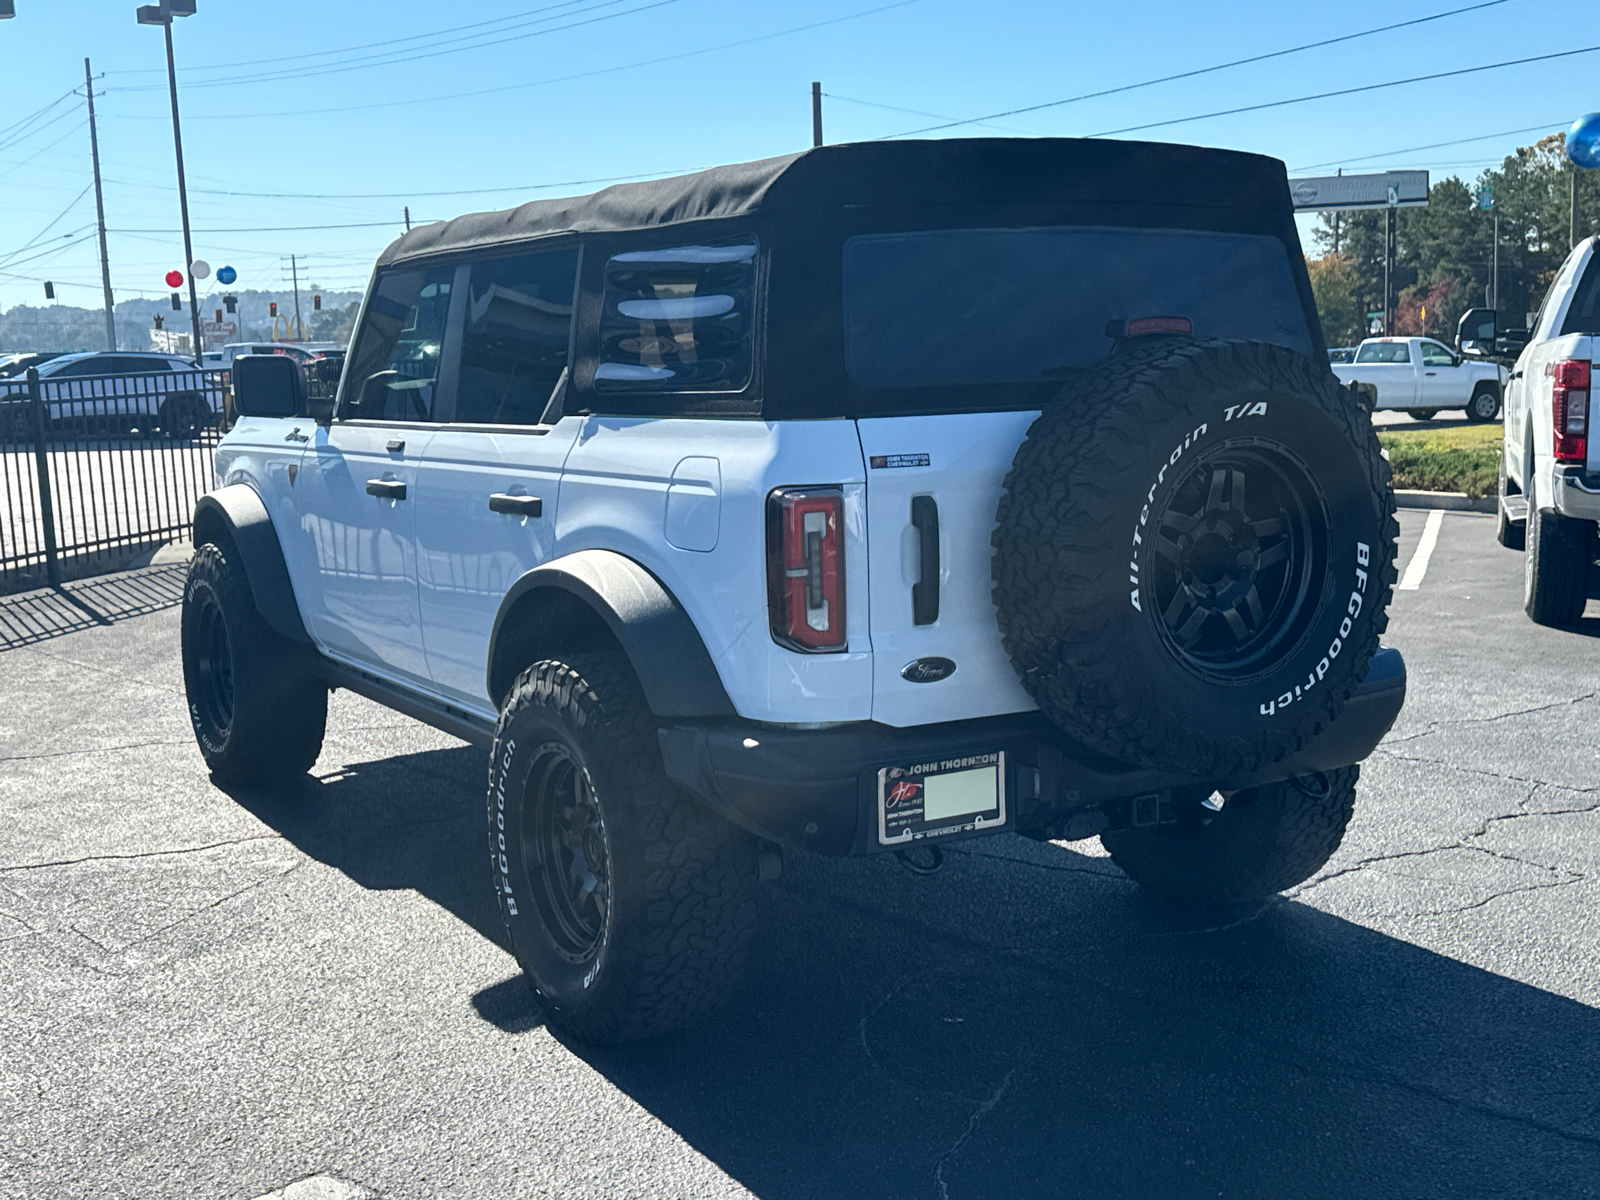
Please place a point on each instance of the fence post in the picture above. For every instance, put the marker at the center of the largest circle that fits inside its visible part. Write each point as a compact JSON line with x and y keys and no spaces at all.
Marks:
{"x":41,"y":458}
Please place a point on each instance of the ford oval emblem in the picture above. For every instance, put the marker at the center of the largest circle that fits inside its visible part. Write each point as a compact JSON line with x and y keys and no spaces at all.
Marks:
{"x":927,"y":670}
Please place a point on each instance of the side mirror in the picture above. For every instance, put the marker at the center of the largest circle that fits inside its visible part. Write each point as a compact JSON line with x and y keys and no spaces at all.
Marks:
{"x":1477,"y":326}
{"x":268,"y":385}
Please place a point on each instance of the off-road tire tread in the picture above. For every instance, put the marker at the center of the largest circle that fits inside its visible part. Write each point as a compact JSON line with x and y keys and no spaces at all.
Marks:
{"x":280,"y":709}
{"x":1229,"y":862}
{"x":684,"y":951}
{"x":1096,"y":429}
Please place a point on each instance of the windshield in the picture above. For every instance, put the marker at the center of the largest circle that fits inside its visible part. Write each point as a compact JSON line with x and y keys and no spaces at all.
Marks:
{"x":980,"y":306}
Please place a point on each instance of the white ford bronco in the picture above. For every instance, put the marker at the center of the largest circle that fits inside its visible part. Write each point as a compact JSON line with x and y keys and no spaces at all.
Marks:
{"x":1550,"y":463}
{"x":850,"y":502}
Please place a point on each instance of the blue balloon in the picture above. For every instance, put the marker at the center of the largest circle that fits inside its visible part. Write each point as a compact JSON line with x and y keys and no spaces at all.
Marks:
{"x":1583,"y":141}
{"x":226,"y":275}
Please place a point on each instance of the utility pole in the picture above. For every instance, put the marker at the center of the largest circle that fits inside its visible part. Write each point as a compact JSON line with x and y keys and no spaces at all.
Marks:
{"x":161,"y":14}
{"x":816,"y":112}
{"x":1572,"y":221}
{"x":100,"y":211}
{"x":1494,"y":278}
{"x":294,"y":269}
{"x":1388,"y":268}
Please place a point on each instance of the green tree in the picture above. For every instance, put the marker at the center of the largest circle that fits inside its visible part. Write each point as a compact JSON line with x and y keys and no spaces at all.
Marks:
{"x":1333,"y":284}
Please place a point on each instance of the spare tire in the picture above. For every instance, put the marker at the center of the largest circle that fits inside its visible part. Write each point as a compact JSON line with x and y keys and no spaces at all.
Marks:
{"x":1195,"y":554}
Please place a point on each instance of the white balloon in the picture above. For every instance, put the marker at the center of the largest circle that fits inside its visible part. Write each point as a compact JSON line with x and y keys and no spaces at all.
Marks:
{"x":199,"y":268}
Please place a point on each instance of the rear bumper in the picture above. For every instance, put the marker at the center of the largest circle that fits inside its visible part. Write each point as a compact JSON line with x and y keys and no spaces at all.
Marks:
{"x":818,"y":789}
{"x":1573,"y":492}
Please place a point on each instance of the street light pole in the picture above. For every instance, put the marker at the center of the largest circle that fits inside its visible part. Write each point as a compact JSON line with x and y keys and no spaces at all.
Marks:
{"x":161,"y":14}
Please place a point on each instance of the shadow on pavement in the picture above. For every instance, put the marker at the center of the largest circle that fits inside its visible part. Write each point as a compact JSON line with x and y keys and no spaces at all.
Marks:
{"x":1027,"y":1023}
{"x":35,"y":617}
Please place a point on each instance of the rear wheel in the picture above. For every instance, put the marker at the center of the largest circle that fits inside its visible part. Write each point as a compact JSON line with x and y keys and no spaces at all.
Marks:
{"x":183,"y":415}
{"x":1556,"y":573}
{"x":628,"y":904}
{"x":1263,"y":840}
{"x":257,"y":709}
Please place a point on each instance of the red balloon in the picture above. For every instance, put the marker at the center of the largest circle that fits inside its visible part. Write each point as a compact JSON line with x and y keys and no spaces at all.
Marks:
{"x":174,"y":278}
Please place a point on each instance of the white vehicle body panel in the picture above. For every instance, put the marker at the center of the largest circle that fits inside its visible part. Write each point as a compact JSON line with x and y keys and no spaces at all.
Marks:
{"x":1416,"y":384}
{"x":968,"y":457}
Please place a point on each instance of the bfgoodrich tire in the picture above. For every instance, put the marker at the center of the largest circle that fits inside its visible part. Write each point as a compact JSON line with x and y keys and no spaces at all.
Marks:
{"x":257,"y":709}
{"x":629,"y":906}
{"x":1194,"y":555}
{"x":1556,"y":572}
{"x":1264,"y":840}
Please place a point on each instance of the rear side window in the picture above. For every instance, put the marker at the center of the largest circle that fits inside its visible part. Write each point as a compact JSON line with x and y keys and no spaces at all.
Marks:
{"x":1384,"y":352}
{"x":678,"y":320}
{"x":395,"y":367}
{"x":514,"y":344}
{"x":990,"y":306}
{"x":1583,"y":314}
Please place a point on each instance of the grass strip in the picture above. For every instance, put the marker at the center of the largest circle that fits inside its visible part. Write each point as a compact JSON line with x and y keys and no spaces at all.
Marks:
{"x":1462,"y":458}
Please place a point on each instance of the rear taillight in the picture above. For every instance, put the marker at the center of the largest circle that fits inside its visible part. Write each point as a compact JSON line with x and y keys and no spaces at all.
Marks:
{"x":805,"y":568}
{"x":1569,"y":405}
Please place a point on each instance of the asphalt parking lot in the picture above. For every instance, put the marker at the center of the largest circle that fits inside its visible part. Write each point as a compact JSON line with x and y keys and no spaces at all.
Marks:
{"x":213,"y":995}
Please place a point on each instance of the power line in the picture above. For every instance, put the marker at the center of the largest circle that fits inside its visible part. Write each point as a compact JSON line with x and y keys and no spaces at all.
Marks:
{"x":531,"y":187}
{"x":273,"y":228}
{"x":917,"y":112}
{"x":415,"y":37}
{"x":74,"y":129}
{"x":33,"y":240}
{"x":33,"y":116}
{"x":1370,"y":87}
{"x":514,"y":87}
{"x":1238,"y":62}
{"x":1339,"y":162}
{"x":272,"y":77}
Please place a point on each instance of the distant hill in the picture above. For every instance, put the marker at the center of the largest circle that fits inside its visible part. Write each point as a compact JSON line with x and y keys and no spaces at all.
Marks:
{"x":64,"y":327}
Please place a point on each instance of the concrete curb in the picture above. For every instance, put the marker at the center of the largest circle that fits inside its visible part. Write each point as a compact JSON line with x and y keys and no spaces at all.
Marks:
{"x":1450,"y":501}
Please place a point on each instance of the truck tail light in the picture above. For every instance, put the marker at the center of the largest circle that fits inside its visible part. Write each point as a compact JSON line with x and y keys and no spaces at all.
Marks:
{"x":1569,"y":401}
{"x":805,"y":568}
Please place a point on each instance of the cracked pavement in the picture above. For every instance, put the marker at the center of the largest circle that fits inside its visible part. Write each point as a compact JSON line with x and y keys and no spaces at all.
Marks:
{"x":222,"y":996}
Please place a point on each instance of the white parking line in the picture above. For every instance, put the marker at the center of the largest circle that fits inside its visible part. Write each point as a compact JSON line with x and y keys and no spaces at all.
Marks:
{"x":1418,"y":566}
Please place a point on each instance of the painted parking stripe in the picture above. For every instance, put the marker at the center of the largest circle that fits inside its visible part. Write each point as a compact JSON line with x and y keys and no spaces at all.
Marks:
{"x":1418,"y":566}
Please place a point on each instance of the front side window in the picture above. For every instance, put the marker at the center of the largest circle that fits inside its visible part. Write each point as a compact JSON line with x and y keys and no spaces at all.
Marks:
{"x":395,"y":367}
{"x":514,"y":344}
{"x":1384,"y":352}
{"x":996,"y":306}
{"x":678,"y":320}
{"x":1435,"y":355}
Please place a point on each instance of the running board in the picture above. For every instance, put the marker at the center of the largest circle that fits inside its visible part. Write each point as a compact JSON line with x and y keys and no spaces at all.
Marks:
{"x":1515,"y":508}
{"x":457,"y":722}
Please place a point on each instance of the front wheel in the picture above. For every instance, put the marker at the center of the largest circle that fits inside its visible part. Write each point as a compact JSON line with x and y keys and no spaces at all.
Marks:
{"x":1422,"y":414}
{"x":258,"y":710}
{"x":629,"y":905}
{"x":1484,"y":406}
{"x":1264,"y":840}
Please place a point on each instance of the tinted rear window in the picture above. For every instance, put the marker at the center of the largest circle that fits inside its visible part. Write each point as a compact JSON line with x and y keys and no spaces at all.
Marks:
{"x":983,"y":306}
{"x":1384,"y":352}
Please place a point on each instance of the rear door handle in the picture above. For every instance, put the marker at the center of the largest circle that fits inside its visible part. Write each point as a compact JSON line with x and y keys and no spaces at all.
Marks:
{"x":386,"y":489}
{"x":516,"y":506}
{"x":925,"y":592}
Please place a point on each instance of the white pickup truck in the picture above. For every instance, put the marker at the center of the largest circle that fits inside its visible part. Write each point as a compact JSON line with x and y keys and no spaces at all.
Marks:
{"x":1550,"y":468}
{"x":1423,"y":376}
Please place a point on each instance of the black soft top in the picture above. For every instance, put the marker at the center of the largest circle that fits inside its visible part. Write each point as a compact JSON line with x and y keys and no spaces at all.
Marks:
{"x":1055,"y":172}
{"x":804,"y":207}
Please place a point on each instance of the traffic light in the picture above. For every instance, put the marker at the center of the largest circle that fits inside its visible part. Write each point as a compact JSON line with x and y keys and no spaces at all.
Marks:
{"x":219,"y":316}
{"x":230,"y":303}
{"x":316,"y":301}
{"x":272,"y":309}
{"x":177,"y":302}
{"x":49,"y":290}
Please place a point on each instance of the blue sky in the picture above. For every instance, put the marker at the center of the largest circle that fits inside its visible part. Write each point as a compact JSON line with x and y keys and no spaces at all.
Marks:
{"x":564,"y":100}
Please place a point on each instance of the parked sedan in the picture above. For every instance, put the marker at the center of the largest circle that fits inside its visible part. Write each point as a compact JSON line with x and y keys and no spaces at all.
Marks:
{"x":118,"y":391}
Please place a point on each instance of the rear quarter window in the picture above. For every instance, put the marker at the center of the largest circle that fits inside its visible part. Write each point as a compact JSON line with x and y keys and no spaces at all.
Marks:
{"x":1583,"y":314}
{"x":1384,"y":352}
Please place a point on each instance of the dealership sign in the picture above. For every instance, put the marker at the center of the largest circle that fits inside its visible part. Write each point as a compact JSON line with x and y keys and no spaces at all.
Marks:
{"x":1329,"y":193}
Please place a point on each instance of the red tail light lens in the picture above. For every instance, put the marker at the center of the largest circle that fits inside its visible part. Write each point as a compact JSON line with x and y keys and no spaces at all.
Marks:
{"x":805,"y":568}
{"x":1144,"y":326}
{"x":1569,"y":403}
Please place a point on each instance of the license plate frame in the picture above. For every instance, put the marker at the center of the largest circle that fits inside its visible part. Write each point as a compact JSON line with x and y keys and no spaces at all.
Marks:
{"x":962,"y":781}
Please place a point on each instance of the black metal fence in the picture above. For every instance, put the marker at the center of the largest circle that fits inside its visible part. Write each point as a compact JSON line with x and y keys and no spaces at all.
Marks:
{"x":94,"y":468}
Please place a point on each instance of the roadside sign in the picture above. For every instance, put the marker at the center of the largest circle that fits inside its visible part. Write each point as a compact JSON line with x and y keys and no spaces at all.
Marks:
{"x":1391,"y":189}
{"x":1486,"y":197}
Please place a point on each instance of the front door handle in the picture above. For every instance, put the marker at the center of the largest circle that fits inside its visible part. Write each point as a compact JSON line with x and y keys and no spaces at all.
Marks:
{"x":925,"y":592}
{"x":516,"y":506}
{"x":386,"y":489}
{"x":1430,"y":372}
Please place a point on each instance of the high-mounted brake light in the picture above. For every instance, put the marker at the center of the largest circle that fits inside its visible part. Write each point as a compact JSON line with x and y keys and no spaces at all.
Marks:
{"x":805,"y":568}
{"x":1569,"y":409}
{"x":1145,"y":326}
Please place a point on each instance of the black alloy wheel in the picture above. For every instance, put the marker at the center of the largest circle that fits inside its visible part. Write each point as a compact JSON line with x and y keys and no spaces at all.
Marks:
{"x":213,"y":693}
{"x":1240,"y":547}
{"x":565,"y":839}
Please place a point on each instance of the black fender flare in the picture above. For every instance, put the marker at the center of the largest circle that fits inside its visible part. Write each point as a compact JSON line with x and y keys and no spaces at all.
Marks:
{"x":658,"y":636}
{"x":237,"y":514}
